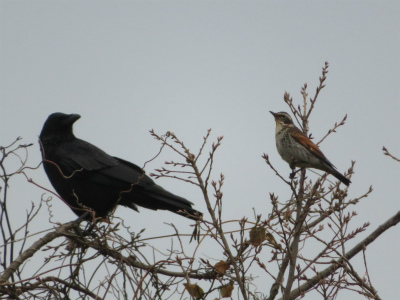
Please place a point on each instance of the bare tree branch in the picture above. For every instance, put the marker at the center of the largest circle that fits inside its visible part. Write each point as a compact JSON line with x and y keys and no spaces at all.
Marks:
{"x":386,"y":152}
{"x":393,"y":221}
{"x":36,"y":246}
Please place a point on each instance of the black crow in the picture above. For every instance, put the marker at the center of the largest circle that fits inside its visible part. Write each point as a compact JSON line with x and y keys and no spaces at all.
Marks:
{"x":87,"y":178}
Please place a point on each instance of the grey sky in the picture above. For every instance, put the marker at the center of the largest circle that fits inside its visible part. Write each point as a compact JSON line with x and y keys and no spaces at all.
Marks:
{"x":187,"y":66}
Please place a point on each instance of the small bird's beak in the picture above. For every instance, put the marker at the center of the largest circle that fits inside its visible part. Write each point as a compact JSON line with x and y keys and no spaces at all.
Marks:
{"x":274,"y":114}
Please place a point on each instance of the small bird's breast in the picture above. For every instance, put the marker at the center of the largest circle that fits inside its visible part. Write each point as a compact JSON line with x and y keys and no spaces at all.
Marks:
{"x":284,"y":144}
{"x":290,"y":150}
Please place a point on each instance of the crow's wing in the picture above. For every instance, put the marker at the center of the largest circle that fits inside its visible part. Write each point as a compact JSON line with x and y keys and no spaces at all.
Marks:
{"x":88,"y":162}
{"x":78,"y":154}
{"x":92,"y":164}
{"x":148,"y":188}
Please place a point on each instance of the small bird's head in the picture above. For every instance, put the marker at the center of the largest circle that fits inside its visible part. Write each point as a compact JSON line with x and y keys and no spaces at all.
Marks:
{"x":282,"y":118}
{"x":59,"y":126}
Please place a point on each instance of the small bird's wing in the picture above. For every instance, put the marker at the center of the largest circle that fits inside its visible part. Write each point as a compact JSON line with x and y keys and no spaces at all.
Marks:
{"x":303,"y":140}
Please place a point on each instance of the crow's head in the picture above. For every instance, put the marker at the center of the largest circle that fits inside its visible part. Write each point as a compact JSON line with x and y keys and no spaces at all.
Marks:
{"x":58,"y":126}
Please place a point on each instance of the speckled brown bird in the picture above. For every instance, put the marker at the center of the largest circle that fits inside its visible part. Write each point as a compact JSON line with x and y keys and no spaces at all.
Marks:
{"x":298,"y":150}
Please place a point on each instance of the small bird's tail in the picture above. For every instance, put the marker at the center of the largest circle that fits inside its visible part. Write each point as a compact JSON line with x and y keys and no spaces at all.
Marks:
{"x":343,"y":179}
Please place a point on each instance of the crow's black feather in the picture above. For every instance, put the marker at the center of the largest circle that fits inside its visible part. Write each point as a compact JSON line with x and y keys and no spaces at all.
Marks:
{"x":87,"y":177}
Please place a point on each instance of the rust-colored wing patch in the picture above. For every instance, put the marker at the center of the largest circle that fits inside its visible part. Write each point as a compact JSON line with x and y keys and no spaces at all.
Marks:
{"x":308,"y":144}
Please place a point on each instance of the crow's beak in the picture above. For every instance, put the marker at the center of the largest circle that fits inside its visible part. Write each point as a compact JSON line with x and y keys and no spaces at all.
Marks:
{"x":71,"y":119}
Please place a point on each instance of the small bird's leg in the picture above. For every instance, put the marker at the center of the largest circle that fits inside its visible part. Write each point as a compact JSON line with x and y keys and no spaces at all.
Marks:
{"x":292,"y":165}
{"x":293,"y":174}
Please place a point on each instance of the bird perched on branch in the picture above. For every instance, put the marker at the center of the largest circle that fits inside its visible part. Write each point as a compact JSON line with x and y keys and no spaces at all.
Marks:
{"x":88,"y":179}
{"x":298,"y":150}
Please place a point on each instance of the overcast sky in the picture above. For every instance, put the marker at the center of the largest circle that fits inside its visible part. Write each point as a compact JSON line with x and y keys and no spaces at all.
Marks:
{"x":185,"y":66}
